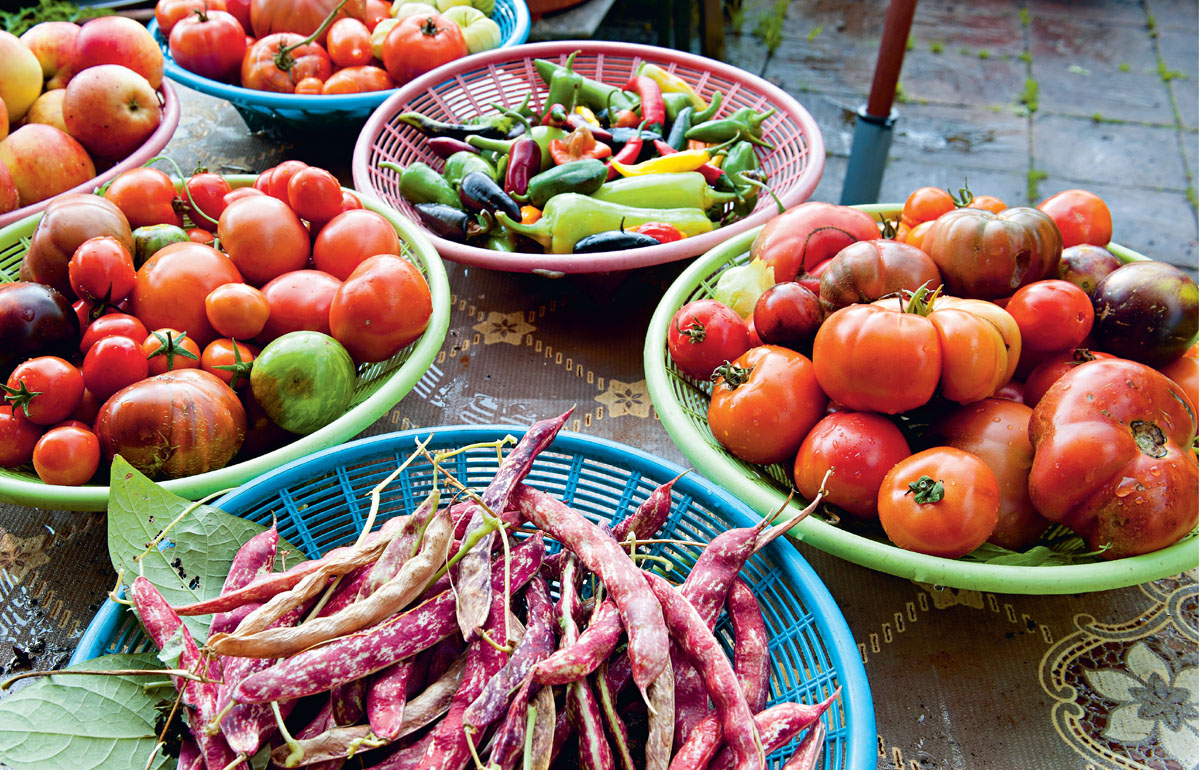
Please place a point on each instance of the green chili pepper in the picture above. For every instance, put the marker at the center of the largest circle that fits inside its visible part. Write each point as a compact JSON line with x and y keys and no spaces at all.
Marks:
{"x":543,"y":135}
{"x":500,"y":239}
{"x":724,"y":130}
{"x":421,"y":184}
{"x":685,"y":189}
{"x":675,"y":103}
{"x":680,"y":127}
{"x":741,"y":159}
{"x":566,"y":86}
{"x":462,"y":163}
{"x":709,"y":112}
{"x":582,"y":176}
{"x":592,"y":93}
{"x":570,"y":217}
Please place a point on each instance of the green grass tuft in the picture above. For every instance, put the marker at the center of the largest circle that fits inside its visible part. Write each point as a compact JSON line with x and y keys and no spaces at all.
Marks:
{"x":1029,"y":97}
{"x":1032,"y":178}
{"x":936,"y":46}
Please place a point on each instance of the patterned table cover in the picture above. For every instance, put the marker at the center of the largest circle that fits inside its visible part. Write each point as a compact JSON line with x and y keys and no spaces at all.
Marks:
{"x":961,"y":679}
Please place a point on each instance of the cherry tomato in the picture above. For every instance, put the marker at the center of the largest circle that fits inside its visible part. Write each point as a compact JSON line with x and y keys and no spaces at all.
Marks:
{"x":314,"y":193}
{"x":18,"y":437}
{"x":229,"y":360}
{"x":299,"y":301}
{"x":943,"y":502}
{"x":146,"y":196}
{"x":197,"y":235}
{"x":349,"y":43}
{"x":764,"y":404}
{"x":1081,"y":216}
{"x":1052,"y":315}
{"x":168,"y":350}
{"x":1185,"y":371}
{"x":101,"y":270}
{"x":916,"y":236}
{"x":87,"y":312}
{"x":349,"y":238}
{"x":358,"y":80}
{"x":383,"y":306}
{"x":46,"y":389}
{"x":210,"y":44}
{"x":67,"y":455}
{"x":705,"y":334}
{"x":787,"y":314}
{"x":204,"y":194}
{"x":264,"y":238}
{"x":237,"y":310}
{"x":925,"y":204}
{"x":1086,"y":265}
{"x":860,"y":448}
{"x":377,"y":11}
{"x":89,"y":407}
{"x":111,"y":364}
{"x":350,"y":201}
{"x":310,"y":86}
{"x":987,"y":203}
{"x":113,"y":325}
{"x":281,"y":176}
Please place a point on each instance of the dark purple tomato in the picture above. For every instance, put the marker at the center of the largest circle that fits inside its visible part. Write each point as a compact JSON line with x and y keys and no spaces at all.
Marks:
{"x":35,"y":320}
{"x":1146,"y":312}
{"x":1085,"y":265}
{"x":787,"y":314}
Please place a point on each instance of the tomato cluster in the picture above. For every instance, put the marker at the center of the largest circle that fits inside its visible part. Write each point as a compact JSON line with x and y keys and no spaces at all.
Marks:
{"x":158,"y":357}
{"x":965,"y":377}
{"x":322,"y":46}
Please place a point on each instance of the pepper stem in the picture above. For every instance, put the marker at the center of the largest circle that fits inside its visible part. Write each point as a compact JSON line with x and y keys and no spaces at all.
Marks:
{"x":926,"y":490}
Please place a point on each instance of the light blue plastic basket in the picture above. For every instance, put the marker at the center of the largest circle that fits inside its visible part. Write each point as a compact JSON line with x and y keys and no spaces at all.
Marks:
{"x":292,"y":116}
{"x":320,"y":503}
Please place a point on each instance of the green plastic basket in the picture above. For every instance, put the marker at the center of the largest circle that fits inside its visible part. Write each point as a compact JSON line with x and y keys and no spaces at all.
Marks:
{"x":379,"y":387}
{"x":682,"y":405}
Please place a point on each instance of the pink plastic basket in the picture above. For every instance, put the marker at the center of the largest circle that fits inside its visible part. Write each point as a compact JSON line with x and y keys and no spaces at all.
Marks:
{"x":464,"y":88}
{"x":151,"y":147}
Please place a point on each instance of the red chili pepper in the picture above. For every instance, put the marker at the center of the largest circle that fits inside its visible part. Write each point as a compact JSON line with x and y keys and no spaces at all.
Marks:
{"x":555,"y":116}
{"x":628,"y":154}
{"x":654,"y":111}
{"x":659,"y":231}
{"x":579,"y":145}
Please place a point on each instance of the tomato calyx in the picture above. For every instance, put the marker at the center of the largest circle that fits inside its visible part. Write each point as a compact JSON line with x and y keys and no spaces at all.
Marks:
{"x":239,"y":369}
{"x":964,"y":198}
{"x":734,"y":375}
{"x":1083,"y":355}
{"x":921,"y":301}
{"x":1149,"y":438}
{"x":926,"y":490}
{"x":695,"y":331}
{"x":19,"y":398}
{"x":171,"y":345}
{"x":889,"y":227}
{"x":283,"y":57}
{"x":429,"y":27}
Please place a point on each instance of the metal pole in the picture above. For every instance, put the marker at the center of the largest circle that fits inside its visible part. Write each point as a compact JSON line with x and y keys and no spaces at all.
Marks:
{"x":873,"y":127}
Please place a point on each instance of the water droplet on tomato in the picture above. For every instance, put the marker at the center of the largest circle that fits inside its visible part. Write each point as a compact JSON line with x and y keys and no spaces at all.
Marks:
{"x":1126,"y":487}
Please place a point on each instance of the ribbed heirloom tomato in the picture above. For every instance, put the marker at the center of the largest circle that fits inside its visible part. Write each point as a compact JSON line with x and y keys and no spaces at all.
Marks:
{"x":278,"y":62}
{"x":986,"y":256}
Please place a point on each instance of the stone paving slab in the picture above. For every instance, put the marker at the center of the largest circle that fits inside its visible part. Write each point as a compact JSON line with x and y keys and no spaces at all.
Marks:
{"x":1080,"y":150}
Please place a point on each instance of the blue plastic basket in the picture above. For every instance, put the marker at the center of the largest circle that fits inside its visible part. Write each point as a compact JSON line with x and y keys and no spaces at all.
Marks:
{"x":320,"y":503}
{"x":291,"y":116}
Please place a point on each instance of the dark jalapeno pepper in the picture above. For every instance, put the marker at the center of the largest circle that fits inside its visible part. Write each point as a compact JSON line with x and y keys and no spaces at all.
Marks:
{"x":622,"y":135}
{"x":444,"y":146}
{"x":430,"y":127}
{"x":614,"y":240}
{"x":479,"y":192}
{"x":448,"y":222}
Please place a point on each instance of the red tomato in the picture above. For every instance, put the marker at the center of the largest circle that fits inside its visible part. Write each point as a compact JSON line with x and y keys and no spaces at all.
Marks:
{"x":1053,"y":315}
{"x":146,"y":196}
{"x":204,"y":194}
{"x":279,"y":177}
{"x":260,"y":71}
{"x":419,"y":44}
{"x":169,"y":350}
{"x":943,"y":502}
{"x":46,"y":389}
{"x":860,"y":448}
{"x":310,"y":86}
{"x":18,"y":437}
{"x":229,"y":361}
{"x":358,"y":80}
{"x":1052,"y":368}
{"x":299,"y":300}
{"x":113,"y":325}
{"x":383,"y":306}
{"x":705,"y":334}
{"x":237,"y":310}
{"x":300,"y":16}
{"x":764,"y":404}
{"x":173,"y":283}
{"x":111,"y":364}
{"x":787,"y":314}
{"x":168,"y":12}
{"x":1186,"y":372}
{"x":101,"y":270}
{"x":209,"y":44}
{"x":89,"y":407}
{"x":987,"y":203}
{"x":804,"y":236}
{"x":196,"y":235}
{"x":997,"y":432}
{"x":925,"y":204}
{"x":264,"y":238}
{"x":916,"y":236}
{"x":241,"y":11}
{"x":1081,"y":216}
{"x":377,"y":11}
{"x":349,"y":43}
{"x":314,"y":193}
{"x":349,"y":238}
{"x":350,"y":201}
{"x":67,"y":455}
{"x":241,"y":192}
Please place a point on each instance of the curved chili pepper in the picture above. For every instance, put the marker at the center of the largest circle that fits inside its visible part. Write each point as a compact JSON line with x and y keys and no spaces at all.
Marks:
{"x":445,"y":146}
{"x":712,"y":174}
{"x":709,"y":112}
{"x":628,"y":154}
{"x":480,"y":192}
{"x":687,"y":160}
{"x":575,"y":120}
{"x":683,"y":122}
{"x":654,"y":112}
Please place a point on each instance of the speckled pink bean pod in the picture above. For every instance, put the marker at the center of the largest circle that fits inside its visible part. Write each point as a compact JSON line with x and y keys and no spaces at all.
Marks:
{"x":162,"y":624}
{"x":387,"y":693}
{"x":777,"y":726}
{"x":593,"y":647}
{"x":510,"y":738}
{"x":583,"y":708}
{"x":751,"y":655}
{"x":254,"y":559}
{"x":809,"y":752}
{"x":649,"y":517}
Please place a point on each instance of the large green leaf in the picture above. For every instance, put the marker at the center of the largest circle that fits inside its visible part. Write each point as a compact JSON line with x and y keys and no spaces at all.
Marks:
{"x":193,"y":559}
{"x":84,"y":722}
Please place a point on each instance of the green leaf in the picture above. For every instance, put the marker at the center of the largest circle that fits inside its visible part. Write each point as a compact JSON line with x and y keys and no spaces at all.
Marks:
{"x":83,"y":722}
{"x":1038,"y":556}
{"x":192,"y":561}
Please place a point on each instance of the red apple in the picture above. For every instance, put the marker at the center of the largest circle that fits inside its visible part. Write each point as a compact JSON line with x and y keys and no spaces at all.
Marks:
{"x":110,"y":109}
{"x":119,"y":40}
{"x":48,"y":109}
{"x":44,"y":162}
{"x":10,"y":199}
{"x":20,"y":76}
{"x":53,"y":43}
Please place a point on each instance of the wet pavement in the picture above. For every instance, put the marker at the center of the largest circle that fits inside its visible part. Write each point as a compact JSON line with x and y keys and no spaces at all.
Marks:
{"x":1019,"y":99}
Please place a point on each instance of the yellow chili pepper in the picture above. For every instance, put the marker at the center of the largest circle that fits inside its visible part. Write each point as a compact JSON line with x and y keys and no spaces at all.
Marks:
{"x":672,"y":83}
{"x":530,"y":214}
{"x":688,"y":160}
{"x":717,"y":161}
{"x":587,"y":114}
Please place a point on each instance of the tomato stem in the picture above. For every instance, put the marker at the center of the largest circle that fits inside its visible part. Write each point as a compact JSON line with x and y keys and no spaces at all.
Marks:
{"x":19,"y":397}
{"x":695,"y":330}
{"x":733,"y":374}
{"x":1149,"y":438}
{"x":926,"y":490}
{"x":283,"y":57}
{"x":964,"y":197}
